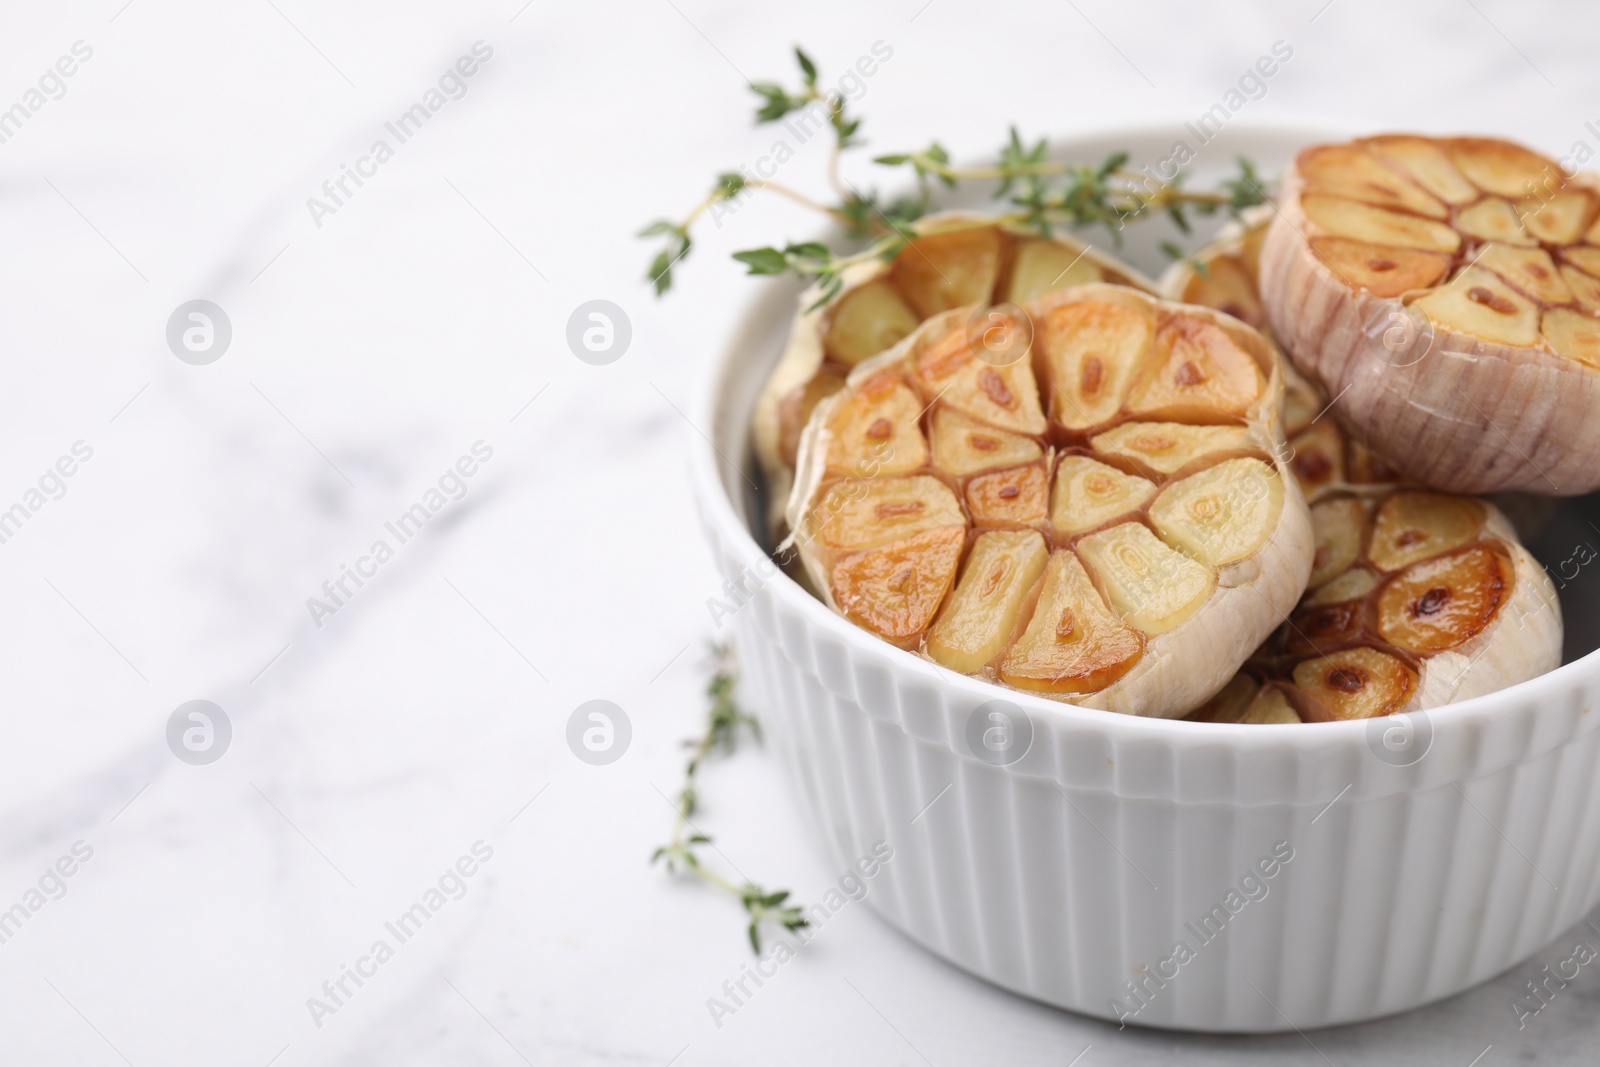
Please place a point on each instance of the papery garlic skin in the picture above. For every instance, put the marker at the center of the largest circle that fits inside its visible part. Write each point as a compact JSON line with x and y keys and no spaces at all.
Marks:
{"x":1426,"y":299}
{"x":1004,"y":264}
{"x":1156,"y":555}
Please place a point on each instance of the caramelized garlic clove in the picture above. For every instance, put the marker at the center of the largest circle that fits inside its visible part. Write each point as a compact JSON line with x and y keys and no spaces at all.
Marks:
{"x":1072,"y":642}
{"x":1002,"y":567}
{"x":894,"y":590}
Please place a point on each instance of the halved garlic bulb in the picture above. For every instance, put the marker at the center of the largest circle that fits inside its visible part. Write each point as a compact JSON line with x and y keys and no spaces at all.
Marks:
{"x":1104,"y":519}
{"x":1447,"y":292}
{"x":1416,"y":598}
{"x":959,"y":259}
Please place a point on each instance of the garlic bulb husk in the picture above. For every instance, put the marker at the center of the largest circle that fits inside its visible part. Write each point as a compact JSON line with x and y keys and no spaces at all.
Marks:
{"x":1447,"y":293}
{"x":1015,"y":266}
{"x":1135,"y":537}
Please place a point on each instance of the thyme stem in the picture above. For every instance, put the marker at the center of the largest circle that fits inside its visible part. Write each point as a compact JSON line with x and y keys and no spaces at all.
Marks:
{"x":724,"y":722}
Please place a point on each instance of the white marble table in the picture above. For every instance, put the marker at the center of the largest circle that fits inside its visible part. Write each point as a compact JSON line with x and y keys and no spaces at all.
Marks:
{"x":375,"y":340}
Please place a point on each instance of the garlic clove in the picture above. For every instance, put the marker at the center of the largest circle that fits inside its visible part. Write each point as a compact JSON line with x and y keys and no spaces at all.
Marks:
{"x":1353,"y":584}
{"x":1574,"y":335}
{"x":1246,"y":701}
{"x":1007,"y":397}
{"x":1270,"y":708}
{"x":1381,"y":269}
{"x":1355,"y":683}
{"x":1073,"y":643}
{"x":893,"y":590}
{"x":1411,"y":525}
{"x":1442,"y":602}
{"x":1038,"y":267}
{"x":1090,"y":350}
{"x":1585,"y":290}
{"x":1350,"y":218}
{"x":889,"y":509}
{"x":1001,"y":569}
{"x":1428,"y":165}
{"x":1301,"y":401}
{"x":868,"y":320}
{"x":962,"y":445}
{"x":1493,"y":219}
{"x":1318,"y":456}
{"x":1479,"y":303}
{"x":1151,"y":585}
{"x":1557,"y":219}
{"x":1366,"y":467}
{"x":1228,"y":286}
{"x":1088,"y":494}
{"x":948,"y":270}
{"x":1500,"y":167}
{"x":795,"y":411}
{"x":1167,"y":447}
{"x":1586,"y":258}
{"x":1199,"y":372}
{"x":1222,"y":514}
{"x":878,"y":419}
{"x":1530,"y":270}
{"x":1015,"y":497}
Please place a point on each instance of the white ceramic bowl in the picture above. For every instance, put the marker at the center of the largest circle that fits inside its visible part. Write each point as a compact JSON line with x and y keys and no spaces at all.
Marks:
{"x":1426,"y":856}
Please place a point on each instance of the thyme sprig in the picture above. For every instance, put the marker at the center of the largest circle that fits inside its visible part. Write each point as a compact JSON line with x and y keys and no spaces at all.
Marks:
{"x":1043,"y":194}
{"x":726,"y":721}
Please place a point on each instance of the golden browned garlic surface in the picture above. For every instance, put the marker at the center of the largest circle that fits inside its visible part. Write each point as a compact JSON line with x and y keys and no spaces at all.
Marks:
{"x":960,"y":260}
{"x":1447,"y":292}
{"x":1416,"y":598}
{"x":1103,"y":520}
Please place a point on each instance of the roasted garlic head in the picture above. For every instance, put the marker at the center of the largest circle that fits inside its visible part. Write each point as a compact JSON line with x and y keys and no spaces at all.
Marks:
{"x":1447,"y":292}
{"x":1103,"y":519}
{"x":1417,"y":599}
